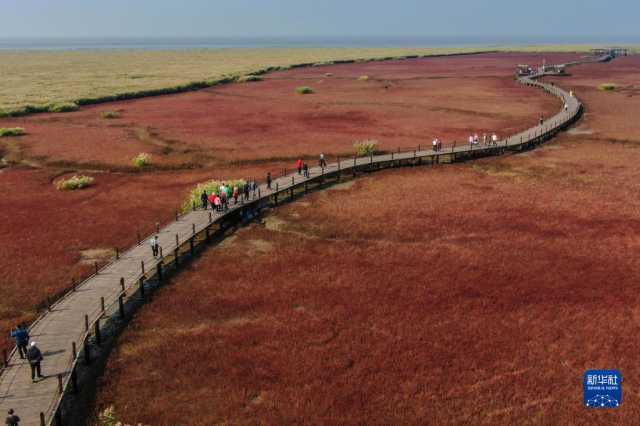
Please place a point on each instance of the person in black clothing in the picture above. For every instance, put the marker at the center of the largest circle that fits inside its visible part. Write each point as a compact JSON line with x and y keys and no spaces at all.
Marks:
{"x":541,"y":120}
{"x":247,"y":188}
{"x":12,"y":419}
{"x":205,"y":199}
{"x":269,"y":180}
{"x":35,"y":358}
{"x":305,"y":170}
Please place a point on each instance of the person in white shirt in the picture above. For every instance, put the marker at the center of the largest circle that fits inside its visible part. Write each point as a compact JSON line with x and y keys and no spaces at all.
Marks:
{"x":494,"y":139}
{"x":471,"y":140}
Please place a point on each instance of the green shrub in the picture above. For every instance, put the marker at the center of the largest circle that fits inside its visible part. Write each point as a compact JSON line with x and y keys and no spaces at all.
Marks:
{"x":141,"y":160}
{"x":74,"y":182}
{"x":304,"y":90}
{"x":11,"y":131}
{"x":110,"y":115}
{"x":249,"y":78}
{"x":363,"y":78}
{"x":607,"y":87}
{"x":212,"y":187}
{"x":366,"y":148}
{"x":63,"y":107}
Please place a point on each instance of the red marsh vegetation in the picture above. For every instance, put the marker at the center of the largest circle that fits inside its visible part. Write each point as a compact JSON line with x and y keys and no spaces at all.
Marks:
{"x":49,"y":237}
{"x":474,"y":293}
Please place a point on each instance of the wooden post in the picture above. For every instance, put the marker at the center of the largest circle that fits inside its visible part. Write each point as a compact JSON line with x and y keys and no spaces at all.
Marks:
{"x":277,"y":186}
{"x":177,"y":241}
{"x":142,"y":266}
{"x":293,"y":180}
{"x":117,"y":253}
{"x":48,"y":304}
{"x":354,"y":161}
{"x":74,"y":350}
{"x":259,"y":196}
{"x":121,"y":306}
{"x":60,"y":389}
{"x":177,"y":256}
{"x":191,"y":249}
{"x":102,"y":305}
{"x":87,"y":353}
{"x":42,"y":422}
{"x":177,"y":215}
{"x":141,"y":286}
{"x":97,"y":332}
{"x":193,"y":206}
{"x":161,"y":255}
{"x":138,"y":234}
{"x":122,"y":283}
{"x":157,"y":228}
{"x":86,"y":323}
{"x":95,"y":266}
{"x":210,"y":217}
{"x":193,"y":228}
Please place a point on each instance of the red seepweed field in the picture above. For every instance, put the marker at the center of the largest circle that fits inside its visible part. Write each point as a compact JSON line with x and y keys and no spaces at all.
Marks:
{"x":50,"y":237}
{"x":471,"y":293}
{"x":474,"y":293}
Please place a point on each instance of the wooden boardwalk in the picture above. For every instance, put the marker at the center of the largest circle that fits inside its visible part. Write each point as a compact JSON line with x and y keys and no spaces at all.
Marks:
{"x":72,"y":319}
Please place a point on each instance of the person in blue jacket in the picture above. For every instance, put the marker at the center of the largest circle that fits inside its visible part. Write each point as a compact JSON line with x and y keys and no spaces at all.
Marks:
{"x":21,"y":335}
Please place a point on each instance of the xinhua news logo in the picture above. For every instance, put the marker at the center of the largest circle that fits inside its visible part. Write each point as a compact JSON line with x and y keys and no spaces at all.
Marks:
{"x":602,"y":389}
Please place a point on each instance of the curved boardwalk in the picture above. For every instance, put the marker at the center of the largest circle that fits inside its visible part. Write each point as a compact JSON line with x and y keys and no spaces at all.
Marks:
{"x":63,"y":332}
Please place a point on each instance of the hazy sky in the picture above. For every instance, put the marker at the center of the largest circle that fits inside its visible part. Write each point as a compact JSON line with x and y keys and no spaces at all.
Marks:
{"x":252,"y":18}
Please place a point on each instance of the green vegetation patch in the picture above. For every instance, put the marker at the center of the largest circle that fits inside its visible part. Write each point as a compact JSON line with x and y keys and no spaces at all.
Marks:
{"x":249,"y":78}
{"x":304,"y":90}
{"x":607,"y":87}
{"x":110,"y":115}
{"x":75,"y":182}
{"x":11,"y":131}
{"x":142,"y":160}
{"x":366,"y":148}
{"x":63,"y":107}
{"x":211,"y":187}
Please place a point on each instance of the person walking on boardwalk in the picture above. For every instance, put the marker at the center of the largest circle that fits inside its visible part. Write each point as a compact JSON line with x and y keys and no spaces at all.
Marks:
{"x":305,"y":170}
{"x":476,"y":139}
{"x":494,"y":139}
{"x":35,"y":358}
{"x":299,"y":166}
{"x":12,"y":419}
{"x":484,"y":139}
{"x":223,"y":200}
{"x":269,"y":180}
{"x":323,"y":162}
{"x":246,"y":189}
{"x":434,"y":144}
{"x":236,"y":193}
{"x":471,"y":141}
{"x":153,"y":242}
{"x":204,"y":198}
{"x":541,"y":120}
{"x":21,"y":335}
{"x":217,"y":203}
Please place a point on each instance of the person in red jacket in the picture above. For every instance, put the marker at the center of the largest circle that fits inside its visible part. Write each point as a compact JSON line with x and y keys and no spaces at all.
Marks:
{"x":299,"y":166}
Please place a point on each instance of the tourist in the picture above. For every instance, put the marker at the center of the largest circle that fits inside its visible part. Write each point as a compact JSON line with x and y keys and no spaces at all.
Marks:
{"x":305,"y":170}
{"x":35,"y":358}
{"x":494,"y":139}
{"x":541,"y":120}
{"x":434,"y":144}
{"x":323,"y":162}
{"x":235,"y":195}
{"x":21,"y":335}
{"x":247,"y":189}
{"x":223,"y":200}
{"x":471,"y":141}
{"x":566,"y":107}
{"x":222,"y":188}
{"x":153,"y":242}
{"x":299,"y":166}
{"x":212,"y":201}
{"x":571,"y":93}
{"x":204,"y":198}
{"x":12,"y":419}
{"x":484,"y":139}
{"x":476,"y":139}
{"x":269,"y":180}
{"x":228,"y":191}
{"x":217,"y":203}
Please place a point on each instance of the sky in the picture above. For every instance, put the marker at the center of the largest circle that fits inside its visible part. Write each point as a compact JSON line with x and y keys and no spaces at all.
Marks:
{"x":320,"y":18}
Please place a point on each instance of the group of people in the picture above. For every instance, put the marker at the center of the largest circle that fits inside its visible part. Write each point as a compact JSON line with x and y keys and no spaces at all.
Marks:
{"x":486,"y":140}
{"x":28,"y":350}
{"x":436,"y":144}
{"x":220,"y":201}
